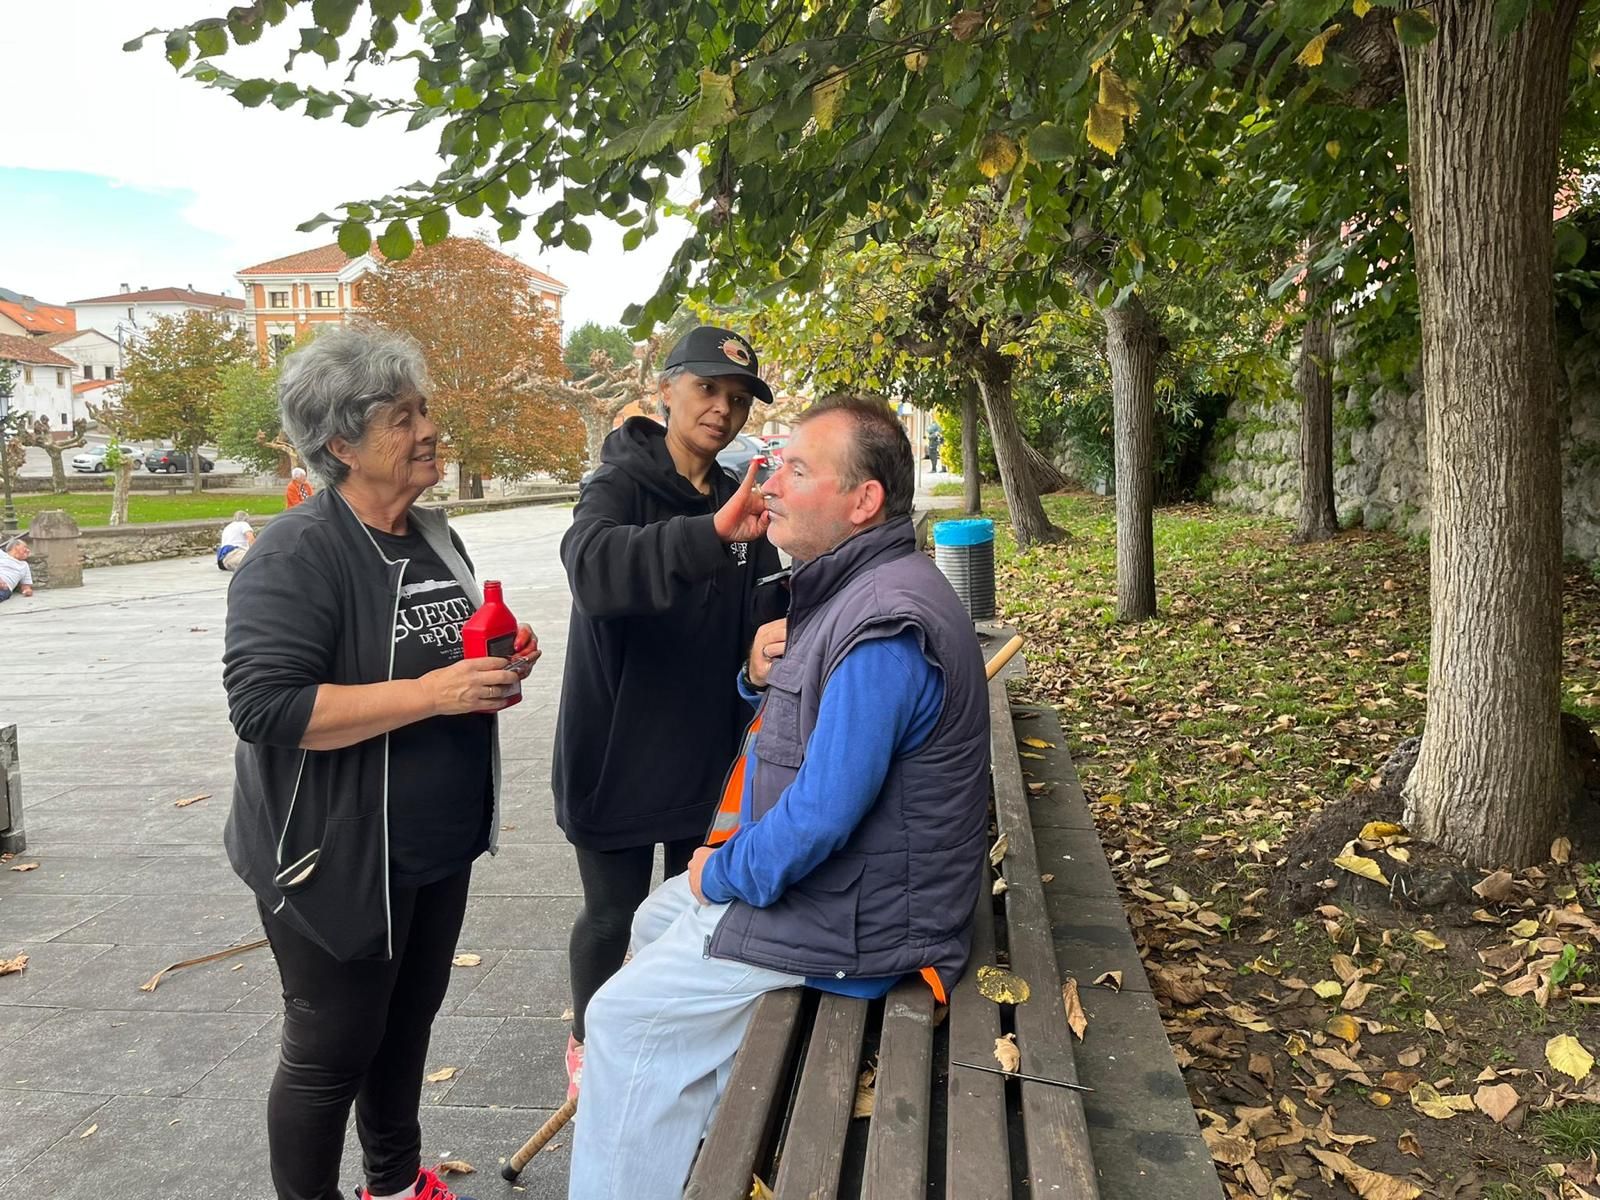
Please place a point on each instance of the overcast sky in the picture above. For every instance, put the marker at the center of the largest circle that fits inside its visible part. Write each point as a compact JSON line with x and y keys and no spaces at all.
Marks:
{"x":115,"y":169}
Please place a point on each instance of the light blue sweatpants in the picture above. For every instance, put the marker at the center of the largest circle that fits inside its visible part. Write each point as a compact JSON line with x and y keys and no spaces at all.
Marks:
{"x":661,"y":1036}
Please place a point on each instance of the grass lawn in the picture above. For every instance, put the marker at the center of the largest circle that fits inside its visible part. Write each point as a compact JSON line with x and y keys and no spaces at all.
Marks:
{"x":1274,"y":681}
{"x":94,"y":508}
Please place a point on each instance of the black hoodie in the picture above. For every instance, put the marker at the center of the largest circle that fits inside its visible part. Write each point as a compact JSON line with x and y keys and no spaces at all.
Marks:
{"x":662,"y":616}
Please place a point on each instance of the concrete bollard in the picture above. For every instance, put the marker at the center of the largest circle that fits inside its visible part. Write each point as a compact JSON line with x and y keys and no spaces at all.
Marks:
{"x":57,"y":552}
{"x":12,"y":839}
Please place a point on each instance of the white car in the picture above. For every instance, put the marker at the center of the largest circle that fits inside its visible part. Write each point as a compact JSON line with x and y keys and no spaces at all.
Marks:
{"x":94,"y":458}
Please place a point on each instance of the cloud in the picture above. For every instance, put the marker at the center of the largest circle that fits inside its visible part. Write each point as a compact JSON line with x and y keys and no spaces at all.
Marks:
{"x":244,"y":177}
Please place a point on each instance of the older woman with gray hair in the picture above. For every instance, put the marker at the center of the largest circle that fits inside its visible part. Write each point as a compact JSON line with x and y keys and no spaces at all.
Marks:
{"x":368,"y":766}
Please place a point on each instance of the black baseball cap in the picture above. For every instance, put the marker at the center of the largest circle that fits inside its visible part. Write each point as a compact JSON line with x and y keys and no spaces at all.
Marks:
{"x":708,"y":351}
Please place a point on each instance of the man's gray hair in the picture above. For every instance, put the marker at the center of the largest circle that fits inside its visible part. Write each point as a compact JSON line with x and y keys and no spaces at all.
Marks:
{"x":241,"y":515}
{"x":332,"y":387}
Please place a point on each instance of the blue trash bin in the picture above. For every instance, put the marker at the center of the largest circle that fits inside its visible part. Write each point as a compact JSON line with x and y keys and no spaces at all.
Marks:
{"x":964,"y":552}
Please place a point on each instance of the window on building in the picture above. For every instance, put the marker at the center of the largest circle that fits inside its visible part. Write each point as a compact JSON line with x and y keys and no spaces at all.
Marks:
{"x":323,"y":300}
{"x":88,"y":371}
{"x":111,"y":372}
{"x":64,"y":421}
{"x":277,"y":299}
{"x":279,"y":344}
{"x":61,"y":378}
{"x":27,"y":374}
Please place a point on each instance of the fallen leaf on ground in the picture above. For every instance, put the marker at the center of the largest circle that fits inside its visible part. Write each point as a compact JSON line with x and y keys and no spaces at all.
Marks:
{"x":1429,"y":1021}
{"x":1076,"y":1020}
{"x":188,"y":800}
{"x":10,"y":966}
{"x":1376,"y":831}
{"x":26,"y":867}
{"x":998,"y":850}
{"x":454,"y":1166}
{"x":865,"y":1093}
{"x":1560,"y":850}
{"x":87,"y":1132}
{"x":1366,"y":1183}
{"x":1425,"y":1098}
{"x":1428,"y":941}
{"x":1498,"y":887}
{"x":1006,"y":1052}
{"x":1111,"y":979}
{"x":466,"y":960}
{"x":1038,"y":743}
{"x":1328,"y":989}
{"x":1367,"y":868}
{"x":1565,"y":1053}
{"x":1002,"y":986}
{"x":440,"y":1075}
{"x":1000,"y":885}
{"x":1345,"y":1027}
{"x":758,"y":1189}
{"x":151,"y":984}
{"x":1407,"y":1144}
{"x":1496,"y":1101}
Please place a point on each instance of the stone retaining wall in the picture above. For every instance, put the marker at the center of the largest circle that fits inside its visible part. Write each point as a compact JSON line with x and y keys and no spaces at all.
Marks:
{"x":1380,"y":457}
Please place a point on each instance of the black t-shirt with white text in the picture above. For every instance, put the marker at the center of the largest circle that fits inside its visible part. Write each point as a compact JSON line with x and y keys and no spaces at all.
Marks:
{"x":439,"y":768}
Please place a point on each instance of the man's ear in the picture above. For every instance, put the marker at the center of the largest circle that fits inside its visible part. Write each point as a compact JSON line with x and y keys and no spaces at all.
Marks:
{"x":869,"y":504}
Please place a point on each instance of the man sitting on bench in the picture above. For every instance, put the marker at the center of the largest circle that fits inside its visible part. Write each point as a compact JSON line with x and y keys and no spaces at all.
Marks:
{"x":849,"y":849}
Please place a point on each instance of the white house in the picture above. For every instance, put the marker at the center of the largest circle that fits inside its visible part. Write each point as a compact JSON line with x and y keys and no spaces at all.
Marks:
{"x":97,"y":356}
{"x":42,"y":382}
{"x":127,"y":312}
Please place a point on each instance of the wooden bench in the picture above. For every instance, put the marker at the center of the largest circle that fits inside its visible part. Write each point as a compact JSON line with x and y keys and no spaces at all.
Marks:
{"x":938,"y":1130}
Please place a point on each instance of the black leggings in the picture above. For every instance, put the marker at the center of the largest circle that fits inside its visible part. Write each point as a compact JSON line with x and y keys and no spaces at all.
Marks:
{"x":615,"y":883}
{"x":358,"y":1031}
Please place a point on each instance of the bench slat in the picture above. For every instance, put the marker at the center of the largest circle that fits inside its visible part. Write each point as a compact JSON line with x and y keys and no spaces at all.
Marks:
{"x":897,"y":1139}
{"x":824,"y":1102}
{"x":751,"y":1103}
{"x":1055,"y":1131}
{"x":977,"y":1156}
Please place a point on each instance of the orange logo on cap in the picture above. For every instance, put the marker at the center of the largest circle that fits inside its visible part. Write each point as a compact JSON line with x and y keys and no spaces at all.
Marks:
{"x":737,"y":351}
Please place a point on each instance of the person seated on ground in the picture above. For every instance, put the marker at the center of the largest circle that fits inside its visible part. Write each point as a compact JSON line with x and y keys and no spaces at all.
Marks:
{"x":849,"y":850}
{"x":299,"y":489}
{"x":237,"y":538}
{"x":15,"y":573}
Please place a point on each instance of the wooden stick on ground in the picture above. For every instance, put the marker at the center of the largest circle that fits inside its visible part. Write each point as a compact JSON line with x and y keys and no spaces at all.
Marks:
{"x":1002,"y":657}
{"x":537,"y":1142}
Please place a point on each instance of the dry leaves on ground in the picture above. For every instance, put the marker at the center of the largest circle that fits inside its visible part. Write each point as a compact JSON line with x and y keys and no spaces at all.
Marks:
{"x":1002,"y":986}
{"x":26,"y":867}
{"x":456,"y":1166}
{"x":1076,"y":1020}
{"x":188,"y":800}
{"x":466,"y":960}
{"x":439,"y":1076}
{"x":866,"y":1092}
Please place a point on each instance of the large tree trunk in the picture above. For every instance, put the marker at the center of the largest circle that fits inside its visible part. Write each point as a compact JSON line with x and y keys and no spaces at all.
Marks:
{"x":195,"y":483}
{"x":58,"y":473}
{"x":1132,"y":341}
{"x":1029,"y":524}
{"x":595,"y":426}
{"x":463,"y":482}
{"x":1485,"y":115}
{"x":1319,"y":519}
{"x":971,"y":475}
{"x":121,"y":485}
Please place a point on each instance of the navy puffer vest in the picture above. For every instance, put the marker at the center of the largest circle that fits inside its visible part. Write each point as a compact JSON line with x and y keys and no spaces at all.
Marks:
{"x":899,"y":895}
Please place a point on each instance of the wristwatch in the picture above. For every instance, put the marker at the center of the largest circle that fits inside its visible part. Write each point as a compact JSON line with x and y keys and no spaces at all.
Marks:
{"x":744,"y":678}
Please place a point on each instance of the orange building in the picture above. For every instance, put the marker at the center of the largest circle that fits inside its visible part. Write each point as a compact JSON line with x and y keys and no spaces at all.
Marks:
{"x":286,"y":297}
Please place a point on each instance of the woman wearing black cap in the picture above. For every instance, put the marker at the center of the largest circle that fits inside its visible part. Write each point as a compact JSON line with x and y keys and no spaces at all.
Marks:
{"x":663,"y":557}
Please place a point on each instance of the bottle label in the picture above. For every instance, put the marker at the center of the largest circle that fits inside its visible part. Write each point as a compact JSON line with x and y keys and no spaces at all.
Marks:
{"x":504,"y":646}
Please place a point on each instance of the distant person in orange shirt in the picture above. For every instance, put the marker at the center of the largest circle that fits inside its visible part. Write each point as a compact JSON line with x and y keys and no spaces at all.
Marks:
{"x":299,"y":489}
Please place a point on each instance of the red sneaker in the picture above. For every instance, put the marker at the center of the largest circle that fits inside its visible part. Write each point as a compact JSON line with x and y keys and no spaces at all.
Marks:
{"x":574,"y":1066}
{"x":428,"y":1187}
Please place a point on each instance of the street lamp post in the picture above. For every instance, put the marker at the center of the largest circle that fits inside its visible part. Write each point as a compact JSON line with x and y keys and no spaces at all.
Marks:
{"x":8,"y":518}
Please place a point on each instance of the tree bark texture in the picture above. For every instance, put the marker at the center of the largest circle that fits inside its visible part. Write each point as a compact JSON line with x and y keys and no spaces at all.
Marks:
{"x":1029,"y":523}
{"x":1131,"y":344}
{"x":121,"y":485}
{"x":1046,"y":476}
{"x":595,"y":426}
{"x":1484,"y":116}
{"x":971,"y":479}
{"x":1319,"y":518}
{"x":58,"y":473}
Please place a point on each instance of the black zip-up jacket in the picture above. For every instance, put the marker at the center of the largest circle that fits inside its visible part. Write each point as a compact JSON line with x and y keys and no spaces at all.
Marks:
{"x":662,"y":616}
{"x":314,"y":602}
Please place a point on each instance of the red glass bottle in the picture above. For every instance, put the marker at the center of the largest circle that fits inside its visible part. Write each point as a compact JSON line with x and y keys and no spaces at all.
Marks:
{"x":492,"y":631}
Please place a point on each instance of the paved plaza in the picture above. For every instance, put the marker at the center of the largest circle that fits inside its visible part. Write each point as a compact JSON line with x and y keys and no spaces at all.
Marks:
{"x":105,"y":1090}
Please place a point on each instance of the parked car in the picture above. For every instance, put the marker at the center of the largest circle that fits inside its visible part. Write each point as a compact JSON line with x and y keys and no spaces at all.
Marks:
{"x":93,"y":459}
{"x":775,"y":442}
{"x":738,"y":453}
{"x":174,"y":462}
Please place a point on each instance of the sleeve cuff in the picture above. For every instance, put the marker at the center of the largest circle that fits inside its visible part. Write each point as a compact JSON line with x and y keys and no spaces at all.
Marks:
{"x":702,"y":543}
{"x":712,"y":884}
